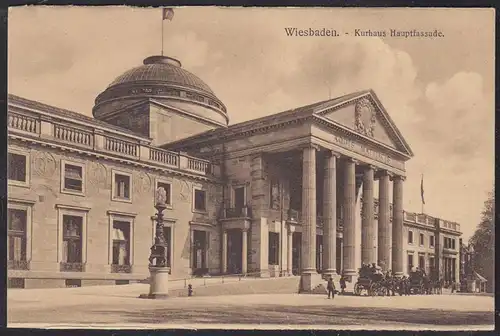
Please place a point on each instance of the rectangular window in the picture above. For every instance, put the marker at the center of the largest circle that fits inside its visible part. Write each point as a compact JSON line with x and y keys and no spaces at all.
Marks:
{"x":16,"y":167}
{"x":121,"y":244}
{"x":17,"y":233}
{"x":15,"y":283}
{"x":410,"y":237}
{"x":239,"y":198}
{"x":452,"y":243}
{"x":73,"y":178}
{"x":168,"y":190}
{"x":410,"y":262}
{"x":431,"y":241}
{"x":72,"y":239}
{"x":122,"y":186}
{"x":421,"y":239}
{"x":200,"y":200}
{"x":71,"y":283}
{"x":421,"y":262}
{"x":274,"y":244}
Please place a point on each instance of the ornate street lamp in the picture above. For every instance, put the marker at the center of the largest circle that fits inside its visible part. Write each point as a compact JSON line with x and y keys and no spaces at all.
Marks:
{"x":158,"y":283}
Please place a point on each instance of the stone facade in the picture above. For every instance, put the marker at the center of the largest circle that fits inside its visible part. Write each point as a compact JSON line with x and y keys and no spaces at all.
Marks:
{"x":291,"y":193}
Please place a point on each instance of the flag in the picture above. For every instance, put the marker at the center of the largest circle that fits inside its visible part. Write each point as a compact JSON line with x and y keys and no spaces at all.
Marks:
{"x":422,"y":189}
{"x":168,"y":14}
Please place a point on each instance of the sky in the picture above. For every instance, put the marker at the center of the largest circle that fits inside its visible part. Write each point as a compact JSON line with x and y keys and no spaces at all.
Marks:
{"x":439,"y":92}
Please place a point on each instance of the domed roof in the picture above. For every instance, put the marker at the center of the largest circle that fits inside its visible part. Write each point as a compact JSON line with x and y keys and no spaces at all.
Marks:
{"x":162,"y":69}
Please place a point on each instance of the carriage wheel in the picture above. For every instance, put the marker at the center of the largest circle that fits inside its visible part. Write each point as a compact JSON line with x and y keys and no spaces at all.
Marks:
{"x":357,"y":289}
{"x":373,"y":290}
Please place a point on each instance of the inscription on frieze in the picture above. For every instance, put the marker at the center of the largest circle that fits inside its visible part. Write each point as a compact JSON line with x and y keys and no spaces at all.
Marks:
{"x":366,"y":151}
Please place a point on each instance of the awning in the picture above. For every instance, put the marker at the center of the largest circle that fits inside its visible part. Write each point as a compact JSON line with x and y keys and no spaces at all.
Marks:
{"x":118,"y":234}
{"x":480,"y":277}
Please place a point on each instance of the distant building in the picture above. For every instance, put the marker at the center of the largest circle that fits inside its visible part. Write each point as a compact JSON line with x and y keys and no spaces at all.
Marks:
{"x":470,"y":280}
{"x":270,"y":196}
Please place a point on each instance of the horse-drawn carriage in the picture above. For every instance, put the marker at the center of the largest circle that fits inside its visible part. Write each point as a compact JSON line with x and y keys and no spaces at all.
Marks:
{"x":371,"y":280}
{"x":417,"y":282}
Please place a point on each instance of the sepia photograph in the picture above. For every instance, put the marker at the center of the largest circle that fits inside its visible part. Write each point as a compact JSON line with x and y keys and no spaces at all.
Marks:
{"x":251,"y":168}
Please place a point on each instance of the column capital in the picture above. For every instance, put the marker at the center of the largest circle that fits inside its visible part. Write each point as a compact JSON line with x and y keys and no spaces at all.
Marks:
{"x":352,"y":160}
{"x":333,"y":153}
{"x":383,"y":173}
{"x":398,"y":177}
{"x":372,"y":167}
{"x":309,"y":145}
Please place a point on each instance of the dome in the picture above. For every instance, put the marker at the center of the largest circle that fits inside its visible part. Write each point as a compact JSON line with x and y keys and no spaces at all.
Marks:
{"x":163,"y":79}
{"x":162,"y":69}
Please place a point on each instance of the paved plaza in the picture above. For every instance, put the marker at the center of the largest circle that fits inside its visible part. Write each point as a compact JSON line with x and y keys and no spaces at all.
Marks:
{"x":119,"y":307}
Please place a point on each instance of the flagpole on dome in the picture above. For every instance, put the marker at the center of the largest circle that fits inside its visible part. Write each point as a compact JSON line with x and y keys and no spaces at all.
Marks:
{"x":167,"y":14}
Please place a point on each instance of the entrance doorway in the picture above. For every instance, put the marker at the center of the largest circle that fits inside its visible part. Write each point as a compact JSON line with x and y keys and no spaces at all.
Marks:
{"x":339,"y":256}
{"x":167,"y":233}
{"x":199,"y":260}
{"x":296,"y":251}
{"x":319,"y":253}
{"x":234,"y":246}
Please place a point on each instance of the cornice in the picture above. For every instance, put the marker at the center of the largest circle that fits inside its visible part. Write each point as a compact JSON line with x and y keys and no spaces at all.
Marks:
{"x":112,"y":157}
{"x":21,"y":201}
{"x":192,"y":115}
{"x":270,"y":147}
{"x":419,"y":225}
{"x":121,"y":213}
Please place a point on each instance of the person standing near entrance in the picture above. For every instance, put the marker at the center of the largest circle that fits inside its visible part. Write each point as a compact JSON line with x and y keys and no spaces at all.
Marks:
{"x":330,"y":287}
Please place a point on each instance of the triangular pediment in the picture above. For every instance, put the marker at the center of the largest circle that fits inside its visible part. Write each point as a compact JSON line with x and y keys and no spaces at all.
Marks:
{"x":364,"y":114}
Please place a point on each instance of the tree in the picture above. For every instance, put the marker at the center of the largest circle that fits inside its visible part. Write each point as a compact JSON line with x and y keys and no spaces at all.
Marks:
{"x":483,"y":242}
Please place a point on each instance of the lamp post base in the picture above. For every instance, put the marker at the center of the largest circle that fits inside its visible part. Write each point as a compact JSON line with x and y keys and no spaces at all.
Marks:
{"x":158,"y":286}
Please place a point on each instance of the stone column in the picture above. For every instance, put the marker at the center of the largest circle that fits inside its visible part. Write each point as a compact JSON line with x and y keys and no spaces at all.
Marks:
{"x":368,"y":243}
{"x":397,"y":226}
{"x":330,"y":215}
{"x":349,"y":238}
{"x":244,"y":251}
{"x":289,"y":261}
{"x":308,"y":250}
{"x":224,"y":252}
{"x":309,"y":210}
{"x":384,"y":224}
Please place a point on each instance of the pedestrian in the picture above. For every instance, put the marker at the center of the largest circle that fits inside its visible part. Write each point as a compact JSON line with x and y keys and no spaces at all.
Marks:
{"x":342,"y":285}
{"x":330,"y":287}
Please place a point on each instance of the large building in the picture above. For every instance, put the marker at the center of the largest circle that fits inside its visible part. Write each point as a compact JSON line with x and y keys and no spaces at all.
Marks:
{"x":291,"y":193}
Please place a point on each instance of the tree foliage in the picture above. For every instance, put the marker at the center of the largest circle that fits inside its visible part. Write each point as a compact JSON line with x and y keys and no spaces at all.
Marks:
{"x":483,"y":242}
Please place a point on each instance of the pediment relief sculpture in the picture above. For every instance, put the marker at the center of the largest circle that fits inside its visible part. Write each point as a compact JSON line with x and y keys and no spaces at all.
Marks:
{"x":365,"y":117}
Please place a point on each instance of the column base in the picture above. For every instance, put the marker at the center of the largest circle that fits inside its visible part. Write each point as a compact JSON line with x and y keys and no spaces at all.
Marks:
{"x":330,"y":273}
{"x":398,"y":274}
{"x":158,"y":287}
{"x":309,"y":281}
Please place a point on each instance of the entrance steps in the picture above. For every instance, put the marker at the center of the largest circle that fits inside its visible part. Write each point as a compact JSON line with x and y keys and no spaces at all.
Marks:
{"x":279,"y":285}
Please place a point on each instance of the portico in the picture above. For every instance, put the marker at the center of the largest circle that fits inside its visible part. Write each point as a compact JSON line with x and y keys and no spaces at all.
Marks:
{"x":309,"y":178}
{"x":324,"y":171}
